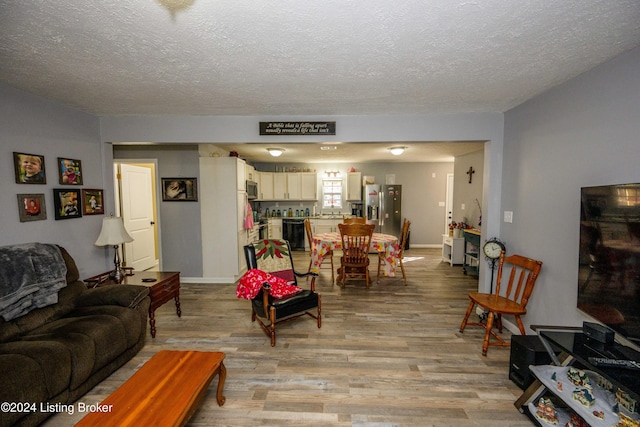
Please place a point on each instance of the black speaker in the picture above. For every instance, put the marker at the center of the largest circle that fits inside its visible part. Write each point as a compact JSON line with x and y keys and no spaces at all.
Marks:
{"x":526,"y":350}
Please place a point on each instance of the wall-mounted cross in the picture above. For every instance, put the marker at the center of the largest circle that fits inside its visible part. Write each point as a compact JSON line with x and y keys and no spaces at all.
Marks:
{"x":470,"y":172}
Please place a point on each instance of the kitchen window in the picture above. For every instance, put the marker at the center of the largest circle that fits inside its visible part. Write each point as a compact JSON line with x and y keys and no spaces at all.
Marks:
{"x":332,"y":193}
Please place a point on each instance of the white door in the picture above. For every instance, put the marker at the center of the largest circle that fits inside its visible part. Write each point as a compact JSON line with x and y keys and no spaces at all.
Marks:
{"x":136,"y":193}
{"x":449,"y":203}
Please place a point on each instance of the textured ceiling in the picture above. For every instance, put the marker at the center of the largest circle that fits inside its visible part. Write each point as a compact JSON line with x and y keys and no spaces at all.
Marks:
{"x":297,"y":57}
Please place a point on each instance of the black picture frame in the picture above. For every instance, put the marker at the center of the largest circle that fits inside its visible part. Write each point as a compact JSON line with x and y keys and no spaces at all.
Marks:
{"x":92,"y":202}
{"x":29,"y":168}
{"x":69,"y":171}
{"x":68,"y":203}
{"x":179,"y":189}
{"x":31,"y":207}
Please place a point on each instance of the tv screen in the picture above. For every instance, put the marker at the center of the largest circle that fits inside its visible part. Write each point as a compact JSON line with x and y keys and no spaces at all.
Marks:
{"x":609,"y":270}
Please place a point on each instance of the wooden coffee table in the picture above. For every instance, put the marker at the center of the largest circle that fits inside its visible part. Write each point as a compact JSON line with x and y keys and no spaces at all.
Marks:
{"x":163,"y":286}
{"x":166,"y":391}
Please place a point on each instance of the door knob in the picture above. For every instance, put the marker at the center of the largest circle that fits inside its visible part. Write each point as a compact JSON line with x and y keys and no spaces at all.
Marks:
{"x":152,"y":223}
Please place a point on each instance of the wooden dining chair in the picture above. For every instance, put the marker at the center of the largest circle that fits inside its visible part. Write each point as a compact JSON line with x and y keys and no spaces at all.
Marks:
{"x":356,"y":243}
{"x":401,"y":245}
{"x":354,"y":220}
{"x":521,"y":280}
{"x":309,"y":232}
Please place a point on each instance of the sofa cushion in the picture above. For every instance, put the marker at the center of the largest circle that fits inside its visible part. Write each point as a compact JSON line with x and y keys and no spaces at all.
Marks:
{"x":92,"y":341}
{"x":67,"y":297}
{"x":53,"y":373}
{"x":129,"y":320}
{"x":22,"y":381}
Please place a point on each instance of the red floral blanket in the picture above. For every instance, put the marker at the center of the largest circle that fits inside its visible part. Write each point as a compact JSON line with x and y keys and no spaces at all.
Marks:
{"x":251,"y":282}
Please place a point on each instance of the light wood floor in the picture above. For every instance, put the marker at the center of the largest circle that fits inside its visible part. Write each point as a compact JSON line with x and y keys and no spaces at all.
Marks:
{"x":390,"y":356}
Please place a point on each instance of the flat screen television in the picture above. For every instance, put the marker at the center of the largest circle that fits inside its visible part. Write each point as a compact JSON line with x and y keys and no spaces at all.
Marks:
{"x":609,"y":266}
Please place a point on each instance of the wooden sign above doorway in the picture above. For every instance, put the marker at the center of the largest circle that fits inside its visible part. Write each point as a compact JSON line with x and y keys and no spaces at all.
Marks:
{"x":297,"y":128}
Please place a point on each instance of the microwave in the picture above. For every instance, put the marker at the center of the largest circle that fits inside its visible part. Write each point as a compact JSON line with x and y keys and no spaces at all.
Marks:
{"x":252,"y":190}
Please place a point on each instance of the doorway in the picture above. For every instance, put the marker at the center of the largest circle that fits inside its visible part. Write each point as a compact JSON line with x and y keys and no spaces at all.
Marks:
{"x":448,"y":203}
{"x":136,"y":200}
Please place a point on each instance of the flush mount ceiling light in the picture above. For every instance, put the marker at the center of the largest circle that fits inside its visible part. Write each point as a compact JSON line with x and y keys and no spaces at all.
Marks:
{"x":328,"y":147}
{"x":396,"y":151}
{"x":275,"y":152}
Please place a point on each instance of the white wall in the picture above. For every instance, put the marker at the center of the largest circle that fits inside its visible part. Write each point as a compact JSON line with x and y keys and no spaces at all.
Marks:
{"x":30,"y":124}
{"x":582,"y":133}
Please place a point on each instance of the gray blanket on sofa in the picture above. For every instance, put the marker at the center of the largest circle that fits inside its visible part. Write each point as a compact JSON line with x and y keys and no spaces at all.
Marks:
{"x":31,"y":274}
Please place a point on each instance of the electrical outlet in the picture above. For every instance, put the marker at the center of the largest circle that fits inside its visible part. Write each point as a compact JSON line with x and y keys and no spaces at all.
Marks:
{"x":463,"y":206}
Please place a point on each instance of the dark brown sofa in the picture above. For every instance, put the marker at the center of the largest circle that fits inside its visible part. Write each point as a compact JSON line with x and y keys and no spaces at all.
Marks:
{"x":57,"y":353}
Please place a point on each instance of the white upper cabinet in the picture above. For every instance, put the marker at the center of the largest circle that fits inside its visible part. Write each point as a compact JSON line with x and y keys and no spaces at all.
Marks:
{"x":354,"y":186}
{"x":294,"y":188}
{"x":308,"y":186}
{"x":279,"y":186}
{"x":265,"y":186}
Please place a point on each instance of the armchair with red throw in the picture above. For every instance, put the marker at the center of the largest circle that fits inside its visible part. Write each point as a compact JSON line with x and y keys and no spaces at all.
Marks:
{"x":288,"y":302}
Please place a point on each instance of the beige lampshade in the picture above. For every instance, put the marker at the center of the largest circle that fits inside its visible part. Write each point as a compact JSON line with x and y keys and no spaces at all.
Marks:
{"x":113,"y":232}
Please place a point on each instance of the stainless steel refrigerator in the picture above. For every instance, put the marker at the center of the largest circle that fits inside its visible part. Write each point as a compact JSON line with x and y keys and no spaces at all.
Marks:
{"x":383,"y":207}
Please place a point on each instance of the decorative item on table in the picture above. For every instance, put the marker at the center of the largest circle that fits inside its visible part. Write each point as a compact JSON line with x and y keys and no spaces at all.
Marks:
{"x":584,"y":396}
{"x":114,"y":234}
{"x":626,"y":421}
{"x":456,"y":228}
{"x":578,"y":377}
{"x":546,"y":411}
{"x":576,"y":421}
{"x":480,"y":216}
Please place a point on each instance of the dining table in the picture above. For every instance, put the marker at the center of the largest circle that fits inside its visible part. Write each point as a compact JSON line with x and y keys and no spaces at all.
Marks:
{"x":386,"y":244}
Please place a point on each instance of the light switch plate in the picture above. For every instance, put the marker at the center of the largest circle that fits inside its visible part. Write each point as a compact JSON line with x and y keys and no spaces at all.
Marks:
{"x":508,"y":216}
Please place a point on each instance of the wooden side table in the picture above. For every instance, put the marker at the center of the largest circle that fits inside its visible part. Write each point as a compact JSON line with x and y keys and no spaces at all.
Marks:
{"x":163,"y":286}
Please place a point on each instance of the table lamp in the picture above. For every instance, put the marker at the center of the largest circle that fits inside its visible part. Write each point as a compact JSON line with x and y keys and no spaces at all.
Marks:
{"x":114,"y":234}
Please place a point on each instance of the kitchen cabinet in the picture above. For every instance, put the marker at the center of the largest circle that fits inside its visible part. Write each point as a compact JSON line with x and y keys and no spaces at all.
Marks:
{"x":240,"y":174}
{"x":354,"y":186}
{"x":222,"y":210}
{"x":294,"y":187}
{"x":279,"y":186}
{"x":325,"y":225}
{"x":308,"y":186}
{"x":452,"y":249}
{"x":265,"y":185}
{"x":287,"y":186}
{"x":250,"y":173}
{"x":275,"y":228}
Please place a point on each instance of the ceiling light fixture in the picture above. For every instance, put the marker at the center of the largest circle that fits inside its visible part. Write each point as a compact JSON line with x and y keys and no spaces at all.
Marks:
{"x":275,"y":152}
{"x":328,"y":147}
{"x":396,"y":151}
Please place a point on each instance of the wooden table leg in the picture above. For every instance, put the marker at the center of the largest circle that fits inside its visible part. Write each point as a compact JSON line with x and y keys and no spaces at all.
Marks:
{"x":177,"y":298}
{"x":152,"y":322}
{"x":222,"y":375}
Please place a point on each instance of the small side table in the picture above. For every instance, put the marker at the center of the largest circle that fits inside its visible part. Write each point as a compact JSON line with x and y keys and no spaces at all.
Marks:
{"x":163,"y":286}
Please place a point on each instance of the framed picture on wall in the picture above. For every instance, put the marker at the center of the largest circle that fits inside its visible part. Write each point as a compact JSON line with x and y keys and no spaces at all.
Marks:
{"x":67,"y":203}
{"x":92,"y":202}
{"x":29,"y":168}
{"x":180,"y":189}
{"x":31,"y":207}
{"x":69,"y":171}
